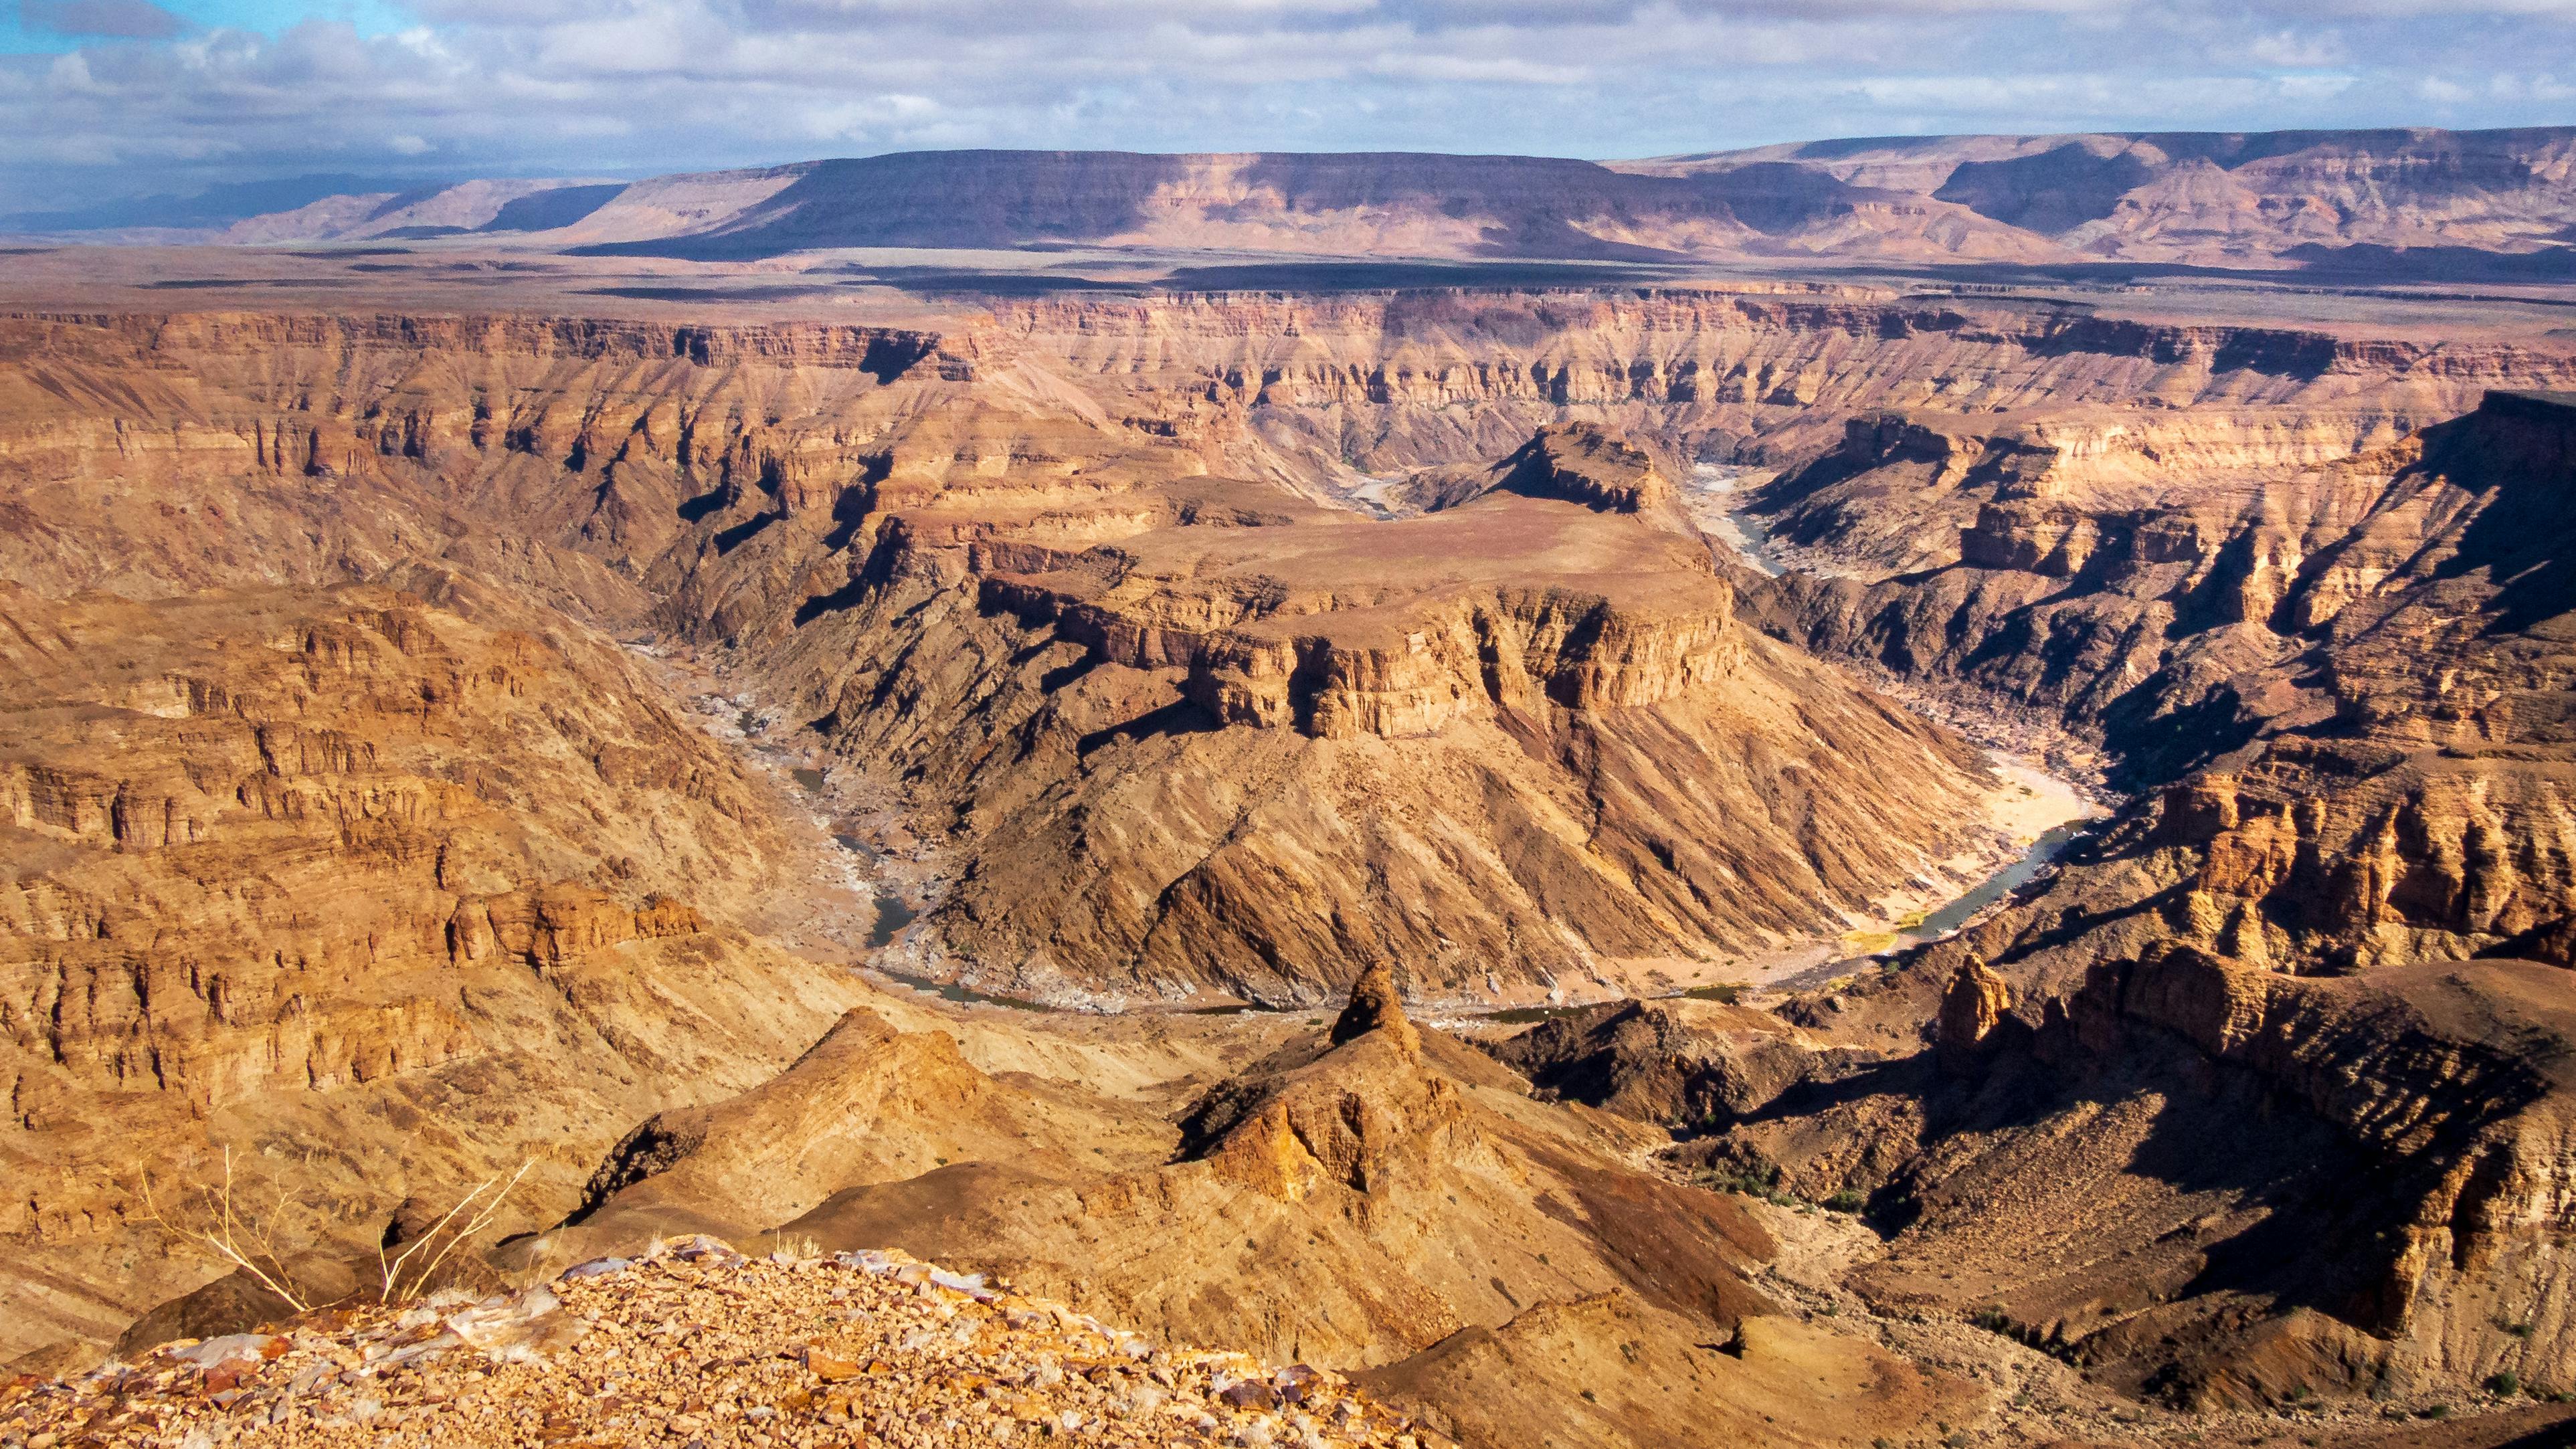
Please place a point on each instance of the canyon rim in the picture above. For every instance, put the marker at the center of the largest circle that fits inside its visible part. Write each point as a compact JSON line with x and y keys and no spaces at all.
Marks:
{"x":1886,"y":792}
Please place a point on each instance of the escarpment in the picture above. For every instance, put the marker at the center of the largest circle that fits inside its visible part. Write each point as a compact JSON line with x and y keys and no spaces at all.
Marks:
{"x":2296,"y":996}
{"x":305,"y":870}
{"x":1331,"y":387}
{"x":2167,"y":611}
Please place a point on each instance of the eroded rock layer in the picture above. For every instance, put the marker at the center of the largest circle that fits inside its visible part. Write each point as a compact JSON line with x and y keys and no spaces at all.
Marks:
{"x":399,"y":892}
{"x":2265,"y":1095}
{"x":1187,"y":731}
{"x":1251,"y":645}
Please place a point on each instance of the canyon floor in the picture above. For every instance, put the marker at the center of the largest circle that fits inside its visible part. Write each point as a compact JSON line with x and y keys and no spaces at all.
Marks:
{"x":1256,"y":866}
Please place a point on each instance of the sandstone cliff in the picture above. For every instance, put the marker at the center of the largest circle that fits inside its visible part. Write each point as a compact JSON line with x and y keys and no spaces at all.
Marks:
{"x":2252,"y":1017}
{"x":412,"y":892}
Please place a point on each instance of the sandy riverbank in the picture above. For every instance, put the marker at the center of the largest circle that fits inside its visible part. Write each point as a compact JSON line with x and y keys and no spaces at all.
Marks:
{"x":2026,"y":817}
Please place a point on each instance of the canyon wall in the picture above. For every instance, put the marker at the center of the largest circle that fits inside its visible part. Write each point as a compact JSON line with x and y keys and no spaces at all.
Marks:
{"x":1331,"y":387}
{"x":1075,"y":585}
{"x":818,"y":499}
{"x":405,"y":888}
{"x":2309,"y":989}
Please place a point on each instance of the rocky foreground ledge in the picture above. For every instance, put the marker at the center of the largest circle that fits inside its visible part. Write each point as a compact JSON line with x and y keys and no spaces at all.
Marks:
{"x":695,"y":1344}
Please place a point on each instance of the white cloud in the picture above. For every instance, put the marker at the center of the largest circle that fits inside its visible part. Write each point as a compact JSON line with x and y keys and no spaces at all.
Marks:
{"x":2297,"y":49}
{"x":1508,"y":69}
{"x":587,"y":86}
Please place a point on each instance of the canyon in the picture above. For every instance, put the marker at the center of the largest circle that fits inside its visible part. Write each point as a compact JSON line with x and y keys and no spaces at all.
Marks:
{"x":1270,"y":819}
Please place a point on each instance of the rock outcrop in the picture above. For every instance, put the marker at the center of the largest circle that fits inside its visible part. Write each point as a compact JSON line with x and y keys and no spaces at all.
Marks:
{"x":1691,"y":1065}
{"x":1368,"y":1195}
{"x":296,"y":871}
{"x":1376,"y":1006}
{"x":727,"y":1349}
{"x":1972,"y":1006}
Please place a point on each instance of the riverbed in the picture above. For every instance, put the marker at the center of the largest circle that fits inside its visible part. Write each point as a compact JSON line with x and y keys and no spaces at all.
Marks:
{"x":1715,"y":501}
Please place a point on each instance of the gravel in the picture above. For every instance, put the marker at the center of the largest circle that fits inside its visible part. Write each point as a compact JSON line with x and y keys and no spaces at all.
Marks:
{"x":696,"y":1346}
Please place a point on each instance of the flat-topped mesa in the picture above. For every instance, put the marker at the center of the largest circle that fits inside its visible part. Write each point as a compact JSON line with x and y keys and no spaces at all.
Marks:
{"x":1414,"y":673}
{"x":1581,"y":463}
{"x":1393,"y":669}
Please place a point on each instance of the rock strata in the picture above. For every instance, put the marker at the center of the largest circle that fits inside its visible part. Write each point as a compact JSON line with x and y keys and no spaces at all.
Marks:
{"x":341,"y":859}
{"x":1976,"y":1000}
{"x":1532,"y":716}
{"x":1376,"y":1006}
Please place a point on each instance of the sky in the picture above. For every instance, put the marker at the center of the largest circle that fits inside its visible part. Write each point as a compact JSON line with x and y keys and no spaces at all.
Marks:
{"x":108,"y":98}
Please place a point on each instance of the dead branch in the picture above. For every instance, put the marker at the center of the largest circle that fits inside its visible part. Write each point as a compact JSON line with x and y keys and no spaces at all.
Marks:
{"x":444,"y":1235}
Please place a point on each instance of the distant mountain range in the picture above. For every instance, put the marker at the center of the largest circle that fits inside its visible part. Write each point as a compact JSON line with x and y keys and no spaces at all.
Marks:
{"x":2494,"y":205}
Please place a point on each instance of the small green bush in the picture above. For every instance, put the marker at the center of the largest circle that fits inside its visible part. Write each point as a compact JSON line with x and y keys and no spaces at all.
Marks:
{"x":1845,"y":1201}
{"x":2504,"y":1384}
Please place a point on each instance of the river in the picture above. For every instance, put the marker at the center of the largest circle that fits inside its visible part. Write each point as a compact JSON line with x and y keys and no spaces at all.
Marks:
{"x":2047,"y":812}
{"x":1715,"y":501}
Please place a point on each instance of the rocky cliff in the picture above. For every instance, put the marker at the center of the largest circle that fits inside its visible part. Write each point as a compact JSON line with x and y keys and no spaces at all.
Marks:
{"x":1529,"y":693}
{"x":416,"y":890}
{"x":2309,"y":990}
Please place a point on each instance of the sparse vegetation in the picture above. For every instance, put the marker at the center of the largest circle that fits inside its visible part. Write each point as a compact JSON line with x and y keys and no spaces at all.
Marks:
{"x":400,"y":1276}
{"x":247,"y":1222}
{"x":255,"y":1215}
{"x":1848,"y":1200}
{"x":1725,"y":992}
{"x":1762,"y":1182}
{"x":2504,"y":1383}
